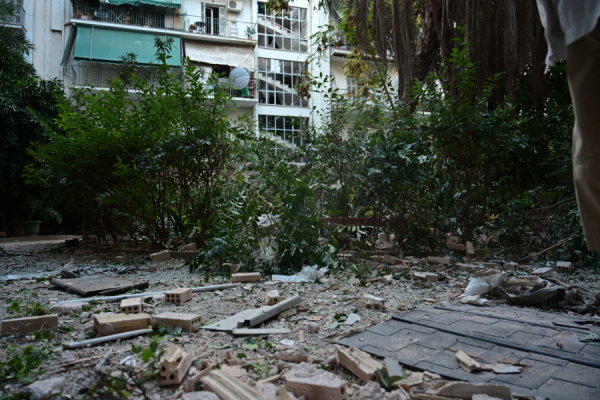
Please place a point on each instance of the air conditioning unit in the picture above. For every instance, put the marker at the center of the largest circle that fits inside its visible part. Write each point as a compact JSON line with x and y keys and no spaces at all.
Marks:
{"x":235,"y":6}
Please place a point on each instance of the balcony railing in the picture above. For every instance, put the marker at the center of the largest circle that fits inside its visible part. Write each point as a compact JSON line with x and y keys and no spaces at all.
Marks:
{"x":359,"y":95}
{"x":92,"y":75}
{"x":19,"y":17}
{"x":164,"y":19}
{"x":101,"y":77}
{"x":342,"y":49}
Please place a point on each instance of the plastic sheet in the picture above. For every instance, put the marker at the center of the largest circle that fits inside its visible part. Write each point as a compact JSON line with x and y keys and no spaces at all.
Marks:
{"x":484,"y":283}
{"x":308,"y":274}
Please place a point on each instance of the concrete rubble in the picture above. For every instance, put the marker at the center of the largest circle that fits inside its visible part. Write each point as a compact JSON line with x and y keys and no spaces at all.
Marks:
{"x":278,"y":339}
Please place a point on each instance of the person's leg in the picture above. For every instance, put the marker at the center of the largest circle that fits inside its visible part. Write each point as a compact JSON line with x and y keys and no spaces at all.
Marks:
{"x":583,"y":71}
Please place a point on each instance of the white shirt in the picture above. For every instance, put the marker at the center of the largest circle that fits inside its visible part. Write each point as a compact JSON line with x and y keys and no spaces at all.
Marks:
{"x":565,"y":21}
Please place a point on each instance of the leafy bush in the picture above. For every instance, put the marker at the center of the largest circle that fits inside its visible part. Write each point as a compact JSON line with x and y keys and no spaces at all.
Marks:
{"x":21,"y":364}
{"x":26,"y":105}
{"x":153,"y":162}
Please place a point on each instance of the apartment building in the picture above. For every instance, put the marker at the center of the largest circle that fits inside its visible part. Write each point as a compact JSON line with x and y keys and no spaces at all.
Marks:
{"x":81,"y":42}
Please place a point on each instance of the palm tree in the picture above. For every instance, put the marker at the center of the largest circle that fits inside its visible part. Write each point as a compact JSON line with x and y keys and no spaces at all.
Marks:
{"x":10,"y":37}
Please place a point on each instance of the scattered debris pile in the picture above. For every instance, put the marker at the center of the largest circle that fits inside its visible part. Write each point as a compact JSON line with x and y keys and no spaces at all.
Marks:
{"x":374,"y":334}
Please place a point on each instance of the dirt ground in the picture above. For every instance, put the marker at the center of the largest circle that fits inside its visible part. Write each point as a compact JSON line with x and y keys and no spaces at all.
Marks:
{"x":328,"y":303}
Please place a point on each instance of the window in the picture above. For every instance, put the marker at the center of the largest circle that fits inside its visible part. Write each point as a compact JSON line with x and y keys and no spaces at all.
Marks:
{"x":287,"y":31}
{"x":212,"y":20}
{"x":352,"y":87}
{"x":278,"y":81}
{"x":288,"y":129}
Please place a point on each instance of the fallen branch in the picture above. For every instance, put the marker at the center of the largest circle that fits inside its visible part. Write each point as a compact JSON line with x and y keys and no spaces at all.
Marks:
{"x":529,"y":258}
{"x":78,"y":361}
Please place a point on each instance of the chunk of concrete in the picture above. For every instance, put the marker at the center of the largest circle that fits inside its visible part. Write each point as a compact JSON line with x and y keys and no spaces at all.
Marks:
{"x":67,"y":308}
{"x":469,"y":249}
{"x":189,"y":322}
{"x":235,"y":268}
{"x":179,"y":296}
{"x":466,"y":390}
{"x":131,"y":306}
{"x":189,"y":247}
{"x":203,"y":395}
{"x":415,"y":379}
{"x":371,"y":391}
{"x":111,"y":324}
{"x":268,"y":390}
{"x":305,"y":380}
{"x":246,"y":277}
{"x":392,"y":367}
{"x":44,"y":389}
{"x":29,"y":324}
{"x":161,"y":256}
{"x":313,"y":327}
{"x":359,"y":363}
{"x":563,"y":267}
{"x":439,"y":260}
{"x":273,"y":297}
{"x":174,"y":364}
{"x":426,"y":276}
{"x":229,"y":388}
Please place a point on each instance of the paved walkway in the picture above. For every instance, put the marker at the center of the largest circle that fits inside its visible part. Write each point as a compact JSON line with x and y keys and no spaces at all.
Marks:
{"x":560,"y":366}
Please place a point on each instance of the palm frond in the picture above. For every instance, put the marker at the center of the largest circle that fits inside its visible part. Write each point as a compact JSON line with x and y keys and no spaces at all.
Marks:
{"x":15,"y":39}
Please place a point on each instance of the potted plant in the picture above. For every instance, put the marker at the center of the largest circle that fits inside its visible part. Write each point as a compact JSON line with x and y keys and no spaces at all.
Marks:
{"x":192,"y":28}
{"x":79,"y":14}
{"x":32,"y":228}
{"x":252,"y":84}
{"x":250,"y":31}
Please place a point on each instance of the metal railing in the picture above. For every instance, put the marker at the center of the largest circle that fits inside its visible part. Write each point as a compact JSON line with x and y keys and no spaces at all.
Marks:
{"x":92,"y":75}
{"x":164,"y":19}
{"x":19,"y":17}
{"x":358,"y":95}
{"x":102,"y":76}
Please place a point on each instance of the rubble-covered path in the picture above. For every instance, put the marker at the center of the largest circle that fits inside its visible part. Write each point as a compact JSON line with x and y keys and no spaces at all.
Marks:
{"x":334,"y":308}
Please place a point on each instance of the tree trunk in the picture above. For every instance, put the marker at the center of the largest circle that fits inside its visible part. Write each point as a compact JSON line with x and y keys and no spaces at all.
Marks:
{"x":429,"y":41}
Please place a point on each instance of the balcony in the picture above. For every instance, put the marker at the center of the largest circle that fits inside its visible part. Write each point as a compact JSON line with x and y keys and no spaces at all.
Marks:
{"x":99,"y":76}
{"x":164,"y":19}
{"x":342,"y":50}
{"x":17,"y":20}
{"x":358,"y":96}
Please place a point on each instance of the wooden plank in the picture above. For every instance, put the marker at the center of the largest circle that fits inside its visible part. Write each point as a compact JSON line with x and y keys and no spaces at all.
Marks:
{"x":28,"y":325}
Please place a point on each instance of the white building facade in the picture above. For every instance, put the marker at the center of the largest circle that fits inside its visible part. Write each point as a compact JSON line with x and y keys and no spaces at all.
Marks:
{"x":81,"y":42}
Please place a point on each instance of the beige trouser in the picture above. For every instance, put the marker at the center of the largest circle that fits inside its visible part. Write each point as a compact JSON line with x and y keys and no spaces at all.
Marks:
{"x":583,"y":70}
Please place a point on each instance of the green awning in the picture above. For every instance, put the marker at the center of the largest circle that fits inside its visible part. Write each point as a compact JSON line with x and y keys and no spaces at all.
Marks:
{"x":161,"y":3}
{"x":107,"y":45}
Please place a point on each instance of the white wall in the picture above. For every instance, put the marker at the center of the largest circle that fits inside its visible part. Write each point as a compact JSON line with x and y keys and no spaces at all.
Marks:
{"x":48,"y":43}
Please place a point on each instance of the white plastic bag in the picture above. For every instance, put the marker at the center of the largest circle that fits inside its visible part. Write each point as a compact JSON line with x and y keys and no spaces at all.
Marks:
{"x":486,"y":281}
{"x":474,"y":300}
{"x":306,"y":275}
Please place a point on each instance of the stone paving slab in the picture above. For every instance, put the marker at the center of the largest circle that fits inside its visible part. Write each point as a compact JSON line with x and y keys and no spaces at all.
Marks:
{"x":559,"y":366}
